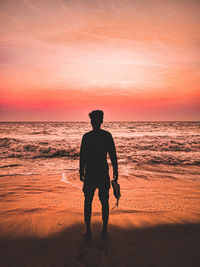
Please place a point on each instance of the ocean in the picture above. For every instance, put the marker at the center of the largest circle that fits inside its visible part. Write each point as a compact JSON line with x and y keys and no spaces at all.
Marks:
{"x":28,"y":148}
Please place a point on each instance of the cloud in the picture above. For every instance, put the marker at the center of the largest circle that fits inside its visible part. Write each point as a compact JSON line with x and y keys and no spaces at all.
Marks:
{"x":131,"y":49}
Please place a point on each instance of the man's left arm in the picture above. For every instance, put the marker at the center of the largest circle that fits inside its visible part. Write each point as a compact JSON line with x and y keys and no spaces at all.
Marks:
{"x":113,"y":157}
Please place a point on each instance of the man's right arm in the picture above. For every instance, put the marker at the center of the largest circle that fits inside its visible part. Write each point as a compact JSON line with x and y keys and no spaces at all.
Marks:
{"x":82,"y":161}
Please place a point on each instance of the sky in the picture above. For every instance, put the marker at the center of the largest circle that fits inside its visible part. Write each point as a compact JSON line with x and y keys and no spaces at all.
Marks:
{"x":134,"y":59}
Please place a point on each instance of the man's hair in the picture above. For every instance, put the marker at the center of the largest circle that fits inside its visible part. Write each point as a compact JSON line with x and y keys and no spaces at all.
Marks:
{"x":96,"y":115}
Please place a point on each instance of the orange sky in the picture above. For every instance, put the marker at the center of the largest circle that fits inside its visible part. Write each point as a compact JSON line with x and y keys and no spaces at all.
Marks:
{"x":136,"y":60}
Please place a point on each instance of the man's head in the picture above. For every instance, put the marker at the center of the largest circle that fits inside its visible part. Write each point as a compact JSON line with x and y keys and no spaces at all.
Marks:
{"x":96,"y":117}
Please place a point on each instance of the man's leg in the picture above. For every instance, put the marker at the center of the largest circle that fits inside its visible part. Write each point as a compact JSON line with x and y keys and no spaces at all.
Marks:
{"x":89,"y":194}
{"x":87,"y":212}
{"x":104,"y":197}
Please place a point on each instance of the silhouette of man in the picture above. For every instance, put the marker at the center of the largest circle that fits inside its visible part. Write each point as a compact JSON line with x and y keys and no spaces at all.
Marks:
{"x":94,"y":170}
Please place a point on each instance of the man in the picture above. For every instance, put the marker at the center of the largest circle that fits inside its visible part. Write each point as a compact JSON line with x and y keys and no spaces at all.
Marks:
{"x":94,"y":171}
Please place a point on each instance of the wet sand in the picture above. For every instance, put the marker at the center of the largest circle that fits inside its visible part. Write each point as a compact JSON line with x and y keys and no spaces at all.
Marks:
{"x":156,"y":224}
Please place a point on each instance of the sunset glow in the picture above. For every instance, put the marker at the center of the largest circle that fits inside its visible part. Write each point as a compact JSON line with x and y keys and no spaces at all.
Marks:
{"x":136,"y":60}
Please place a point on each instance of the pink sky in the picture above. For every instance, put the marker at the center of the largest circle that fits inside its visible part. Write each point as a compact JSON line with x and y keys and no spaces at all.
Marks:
{"x":136,"y":60}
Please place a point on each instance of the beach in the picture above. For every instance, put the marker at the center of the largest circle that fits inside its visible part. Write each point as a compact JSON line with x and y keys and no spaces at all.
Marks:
{"x":157,"y":222}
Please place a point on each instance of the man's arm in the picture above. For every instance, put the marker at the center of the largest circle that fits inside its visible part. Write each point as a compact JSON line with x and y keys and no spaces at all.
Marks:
{"x":113,"y":157}
{"x":82,"y":160}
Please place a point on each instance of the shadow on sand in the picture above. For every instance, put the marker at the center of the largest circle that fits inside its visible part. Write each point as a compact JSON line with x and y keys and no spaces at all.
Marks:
{"x":166,"y":245}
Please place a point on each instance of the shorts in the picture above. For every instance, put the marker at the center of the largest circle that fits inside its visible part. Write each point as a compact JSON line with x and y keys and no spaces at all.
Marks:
{"x":103,"y":194}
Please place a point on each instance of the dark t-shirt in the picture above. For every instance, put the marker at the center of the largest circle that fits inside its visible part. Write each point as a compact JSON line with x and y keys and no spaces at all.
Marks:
{"x":93,"y":155}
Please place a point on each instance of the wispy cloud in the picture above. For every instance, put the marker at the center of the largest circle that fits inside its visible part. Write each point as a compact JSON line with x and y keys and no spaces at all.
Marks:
{"x":123,"y":48}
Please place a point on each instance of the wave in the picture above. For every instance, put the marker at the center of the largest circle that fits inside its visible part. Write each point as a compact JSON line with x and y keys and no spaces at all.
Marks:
{"x":147,"y":150}
{"x":164,"y":159}
{"x":174,"y":162}
{"x":15,"y":174}
{"x":15,"y":148}
{"x":160,"y":143}
{"x":6,"y":142}
{"x":10,"y":165}
{"x":38,"y":132}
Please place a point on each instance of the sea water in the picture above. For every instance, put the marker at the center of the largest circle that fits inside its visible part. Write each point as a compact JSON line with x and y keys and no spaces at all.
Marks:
{"x":28,"y":148}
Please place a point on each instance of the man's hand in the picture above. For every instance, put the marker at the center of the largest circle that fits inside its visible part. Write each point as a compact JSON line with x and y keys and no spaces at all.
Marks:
{"x":81,"y":176}
{"x":115,"y":175}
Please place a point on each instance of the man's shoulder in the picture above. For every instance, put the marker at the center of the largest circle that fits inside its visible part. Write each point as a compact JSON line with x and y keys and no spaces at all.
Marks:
{"x":91,"y":133}
{"x":106,"y":132}
{"x":87,"y":134}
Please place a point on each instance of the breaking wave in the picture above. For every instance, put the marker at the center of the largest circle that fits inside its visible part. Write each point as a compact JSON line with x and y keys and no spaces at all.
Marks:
{"x":15,"y":148}
{"x":131,"y":150}
{"x":171,"y":143}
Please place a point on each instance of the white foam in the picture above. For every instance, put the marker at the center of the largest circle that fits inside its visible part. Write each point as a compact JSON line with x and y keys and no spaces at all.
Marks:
{"x":65,"y":180}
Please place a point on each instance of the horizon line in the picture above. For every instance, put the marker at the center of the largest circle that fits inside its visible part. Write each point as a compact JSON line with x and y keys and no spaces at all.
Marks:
{"x":9,"y":121}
